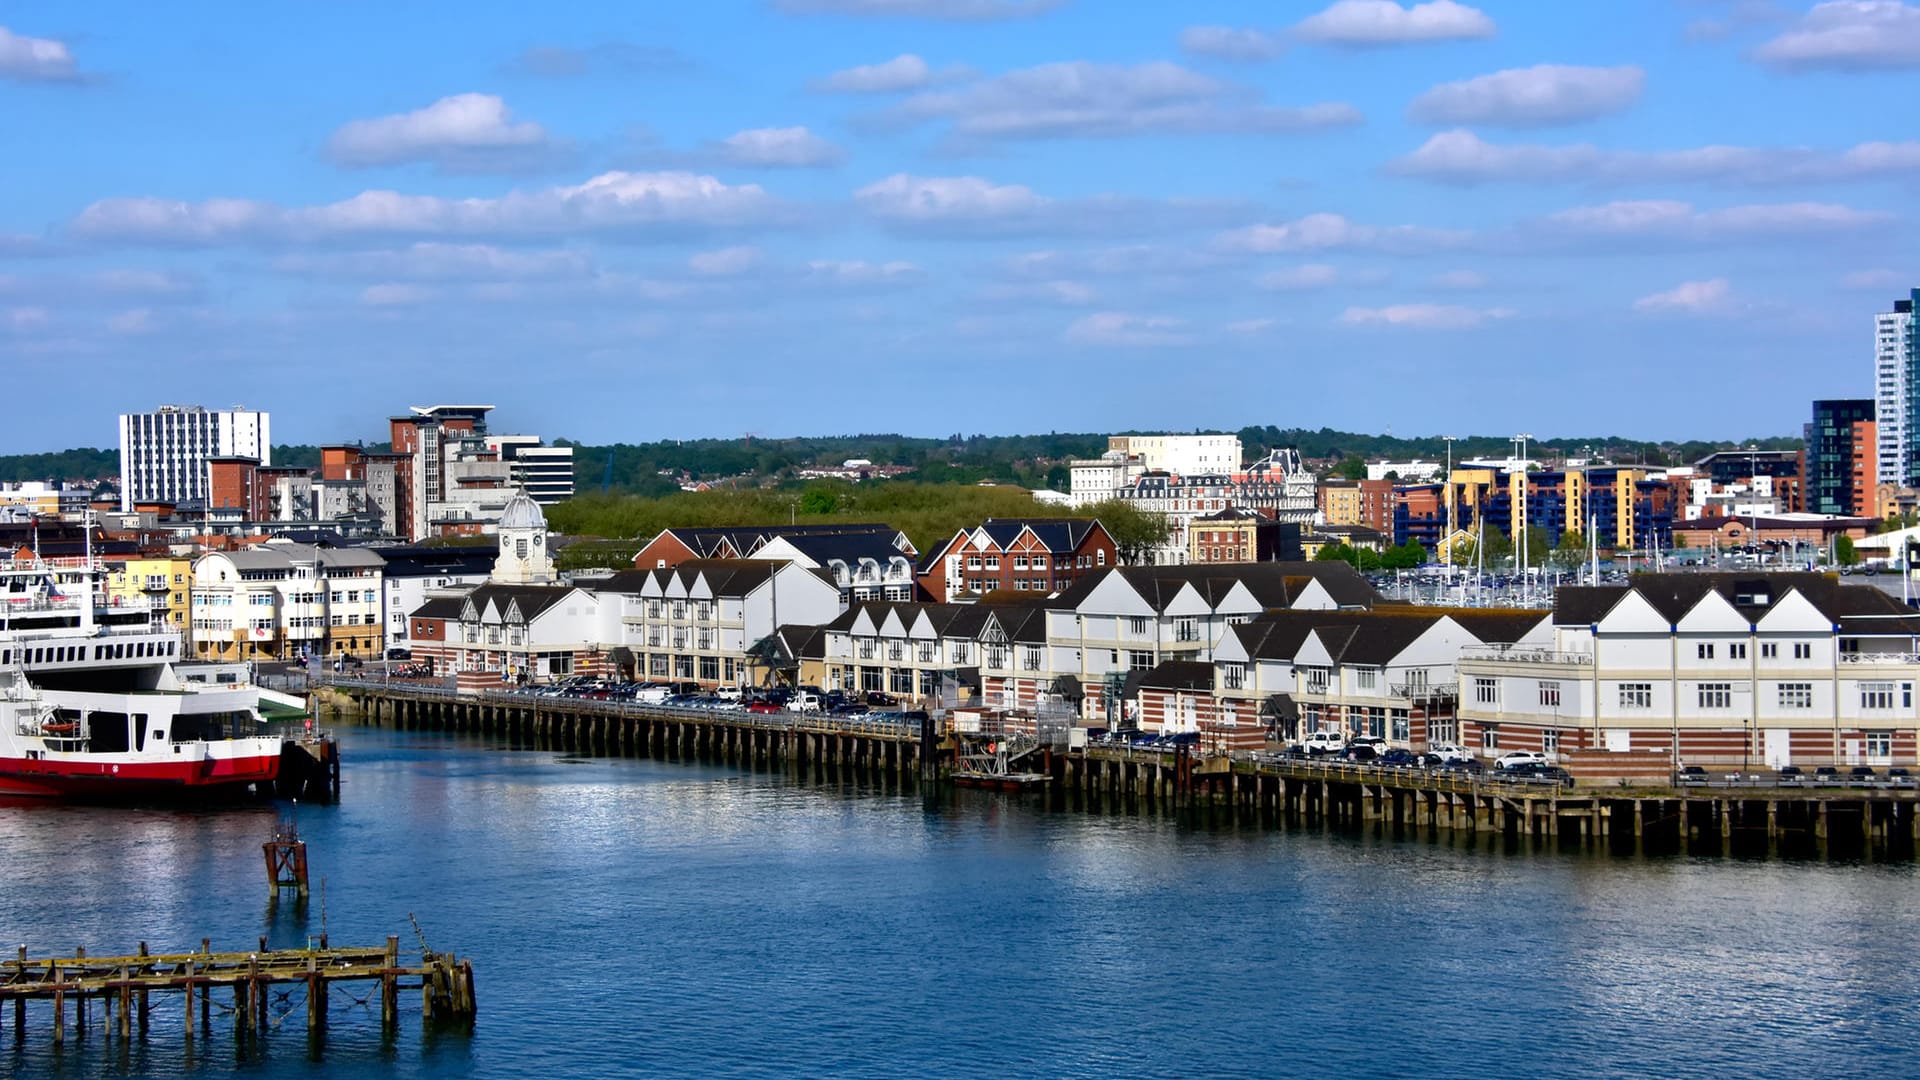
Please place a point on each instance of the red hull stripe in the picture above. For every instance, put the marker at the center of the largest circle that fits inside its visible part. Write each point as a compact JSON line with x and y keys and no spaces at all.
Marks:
{"x":19,"y":776}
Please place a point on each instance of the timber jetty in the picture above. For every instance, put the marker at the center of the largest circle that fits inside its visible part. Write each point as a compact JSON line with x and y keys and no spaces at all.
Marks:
{"x":1849,"y":821}
{"x":258,"y":991}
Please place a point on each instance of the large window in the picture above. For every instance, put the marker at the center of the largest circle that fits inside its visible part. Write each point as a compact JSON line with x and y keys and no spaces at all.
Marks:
{"x":1716,"y":695}
{"x":1549,"y":694}
{"x":1796,"y":695}
{"x":1139,"y":660}
{"x":1879,"y":744}
{"x":1489,"y":737}
{"x":1876,"y":695}
{"x":1233,"y":676}
{"x":1486,"y":691}
{"x":1402,"y":725}
{"x":1636,"y":695}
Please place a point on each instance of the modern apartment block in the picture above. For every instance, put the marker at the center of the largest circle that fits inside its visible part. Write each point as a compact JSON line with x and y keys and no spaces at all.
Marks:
{"x":1840,"y":430}
{"x":164,"y":453}
{"x":1896,"y":361}
{"x":543,"y":472}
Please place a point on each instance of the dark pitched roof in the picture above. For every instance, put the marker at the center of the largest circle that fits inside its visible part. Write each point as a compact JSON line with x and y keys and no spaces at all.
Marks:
{"x":1274,"y":584}
{"x":436,"y":561}
{"x":1860,"y":609}
{"x":1179,"y":675}
{"x":848,"y":548}
{"x":1059,"y":535}
{"x":440,"y":607}
{"x":744,"y":539}
{"x":531,"y":599}
{"x":726,"y":577}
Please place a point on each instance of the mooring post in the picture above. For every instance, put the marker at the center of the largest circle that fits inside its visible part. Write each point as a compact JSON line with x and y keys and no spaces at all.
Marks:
{"x":389,"y":987}
{"x":59,"y":1007}
{"x":187,"y":1018}
{"x":143,"y":993}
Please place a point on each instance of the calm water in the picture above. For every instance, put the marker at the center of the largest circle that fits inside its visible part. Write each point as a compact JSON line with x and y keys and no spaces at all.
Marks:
{"x":641,"y":918}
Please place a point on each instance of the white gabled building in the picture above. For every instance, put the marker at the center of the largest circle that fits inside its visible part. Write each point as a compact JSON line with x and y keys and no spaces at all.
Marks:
{"x":696,"y":621}
{"x":1721,"y":670}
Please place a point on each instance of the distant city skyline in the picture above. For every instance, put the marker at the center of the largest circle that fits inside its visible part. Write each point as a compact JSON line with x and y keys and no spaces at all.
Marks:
{"x":1660,"y":219}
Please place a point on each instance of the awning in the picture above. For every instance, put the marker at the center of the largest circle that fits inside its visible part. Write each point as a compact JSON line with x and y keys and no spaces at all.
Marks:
{"x":1280,"y":707}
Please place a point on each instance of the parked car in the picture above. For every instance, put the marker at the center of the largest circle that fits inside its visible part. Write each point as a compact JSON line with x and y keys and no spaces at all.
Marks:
{"x":1359,"y":753}
{"x":1826,"y":776}
{"x":1790,"y":776}
{"x":806,"y":701}
{"x":1324,"y":742}
{"x":1862,"y":774}
{"x":1400,"y":757}
{"x":727,"y":693}
{"x":1519,"y":757}
{"x":763,"y":706}
{"x":1449,"y":751}
{"x":1900,"y":778}
{"x":1379,"y":744}
{"x":1470,"y":765}
{"x":1691,"y":774}
{"x":1538,"y":770}
{"x":879,"y":700}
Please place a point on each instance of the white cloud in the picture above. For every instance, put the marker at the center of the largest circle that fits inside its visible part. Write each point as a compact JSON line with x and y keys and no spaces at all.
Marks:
{"x":430,"y":260}
{"x":1462,"y":280}
{"x":940,"y":199}
{"x":1460,"y":156}
{"x":32,"y":59}
{"x":1423,"y":316}
{"x":726,"y":262}
{"x":462,"y":133}
{"x":956,"y":10}
{"x":1531,"y":97}
{"x":903,"y":72}
{"x":393,"y":294}
{"x":1332,"y":232}
{"x":1872,"y":279}
{"x":1712,"y":297}
{"x":133,"y":323}
{"x":26,"y":318}
{"x":1305,"y":276}
{"x":1849,"y":35}
{"x":1081,"y":98}
{"x":613,"y":202}
{"x":1362,"y":23}
{"x":1118,"y":328}
{"x":779,"y":148}
{"x":1241,"y":44}
{"x":1678,"y":221}
{"x":861,"y":273}
{"x":1250,"y":327}
{"x":970,"y":206}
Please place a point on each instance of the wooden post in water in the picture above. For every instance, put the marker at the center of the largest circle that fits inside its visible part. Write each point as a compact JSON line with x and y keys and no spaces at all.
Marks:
{"x":59,"y":1007}
{"x":143,"y":997}
{"x":389,"y":988}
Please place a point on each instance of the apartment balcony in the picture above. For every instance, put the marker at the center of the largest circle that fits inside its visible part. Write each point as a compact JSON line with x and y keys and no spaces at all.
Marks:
{"x":1518,"y":654}
{"x":1880,"y":659}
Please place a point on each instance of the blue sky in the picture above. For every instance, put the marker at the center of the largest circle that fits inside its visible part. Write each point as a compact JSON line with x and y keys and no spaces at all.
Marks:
{"x":1657,"y":218}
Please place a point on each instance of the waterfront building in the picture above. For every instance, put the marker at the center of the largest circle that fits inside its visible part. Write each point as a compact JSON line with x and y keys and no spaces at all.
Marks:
{"x":906,"y":650}
{"x":164,"y":453}
{"x":279,"y":600}
{"x":1896,"y":393}
{"x":866,"y":566}
{"x":162,"y":584}
{"x":698,"y":620}
{"x":1722,"y":670}
{"x":412,"y":576}
{"x":1030,"y":555}
{"x":1625,"y":507}
{"x":1125,"y":622}
{"x":671,"y":547}
{"x":1841,"y":444}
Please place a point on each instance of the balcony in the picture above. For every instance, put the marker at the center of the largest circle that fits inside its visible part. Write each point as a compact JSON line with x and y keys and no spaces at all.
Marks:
{"x":1425,"y":691}
{"x":1527,"y":654}
{"x":1880,"y":658}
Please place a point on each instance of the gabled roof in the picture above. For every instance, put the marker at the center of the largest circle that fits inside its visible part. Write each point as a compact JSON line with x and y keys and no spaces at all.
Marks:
{"x":1275,"y":585}
{"x":1751,"y":594}
{"x":724,"y":577}
{"x":947,"y":620}
{"x":1057,"y":535}
{"x":440,"y":607}
{"x":464,"y":559}
{"x":848,"y":548}
{"x":745,"y":539}
{"x":531,"y":600}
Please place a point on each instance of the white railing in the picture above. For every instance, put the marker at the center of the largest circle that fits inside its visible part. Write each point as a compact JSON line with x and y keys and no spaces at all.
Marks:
{"x":1880,"y":658}
{"x":1524,"y":654}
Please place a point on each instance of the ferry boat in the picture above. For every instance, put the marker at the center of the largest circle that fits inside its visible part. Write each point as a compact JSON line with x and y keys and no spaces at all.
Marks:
{"x":93,"y":707}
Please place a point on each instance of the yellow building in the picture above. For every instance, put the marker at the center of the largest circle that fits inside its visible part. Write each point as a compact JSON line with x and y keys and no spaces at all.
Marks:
{"x":162,"y":582}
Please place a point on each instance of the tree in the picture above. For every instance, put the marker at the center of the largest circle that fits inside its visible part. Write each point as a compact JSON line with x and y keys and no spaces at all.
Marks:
{"x":1351,"y":468}
{"x":1570,"y":552}
{"x":1498,"y":549}
{"x":1135,"y":532}
{"x":819,"y":501}
{"x":1334,"y":552}
{"x":1407,"y":556}
{"x":1844,"y":551}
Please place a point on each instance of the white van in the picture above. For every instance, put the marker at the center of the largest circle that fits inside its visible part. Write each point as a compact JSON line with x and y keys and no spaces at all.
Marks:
{"x":805,"y":701}
{"x":1324,"y":742}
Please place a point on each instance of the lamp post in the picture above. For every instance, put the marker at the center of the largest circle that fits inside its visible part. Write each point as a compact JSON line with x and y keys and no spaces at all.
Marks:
{"x":1446,"y":504}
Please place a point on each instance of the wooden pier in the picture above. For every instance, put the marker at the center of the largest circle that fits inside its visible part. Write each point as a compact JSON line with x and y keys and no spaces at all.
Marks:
{"x":258,"y":990}
{"x":848,"y":746}
{"x":1257,"y":789}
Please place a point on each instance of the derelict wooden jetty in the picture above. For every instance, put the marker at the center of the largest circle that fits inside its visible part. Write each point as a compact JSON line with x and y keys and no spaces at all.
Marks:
{"x":258,"y":991}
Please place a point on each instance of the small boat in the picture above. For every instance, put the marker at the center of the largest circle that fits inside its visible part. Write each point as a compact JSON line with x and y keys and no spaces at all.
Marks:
{"x":1001,"y":781}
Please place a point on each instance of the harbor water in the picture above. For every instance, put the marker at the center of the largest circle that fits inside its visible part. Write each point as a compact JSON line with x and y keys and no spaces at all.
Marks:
{"x":635,"y":917}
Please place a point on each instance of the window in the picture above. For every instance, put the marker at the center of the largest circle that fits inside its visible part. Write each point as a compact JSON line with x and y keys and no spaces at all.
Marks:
{"x":973,"y":562}
{"x":1636,"y":695}
{"x":1377,"y":723}
{"x":1139,"y":660}
{"x":1443,"y":729}
{"x":1550,"y":694}
{"x":1366,"y":678}
{"x":1736,"y":650}
{"x":993,"y":562}
{"x":1316,"y":680}
{"x":1489,"y":737}
{"x":1550,"y":743}
{"x":1233,"y":676}
{"x":1879,"y":743}
{"x":710,"y":668}
{"x":1186,"y":630}
{"x":959,"y":652}
{"x":896,"y":651}
{"x":926,"y":652}
{"x":1876,"y":695}
{"x":1100,"y":557}
{"x":1039,"y":562}
{"x":1137,"y":626}
{"x":1803,"y":650}
{"x":1030,"y":658}
{"x":866,"y":648}
{"x":1768,"y":650}
{"x":1019,"y":562}
{"x":1705,"y":650}
{"x":1402,"y":725}
{"x":1796,"y":695}
{"x":1716,"y":695}
{"x":1486,"y":691}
